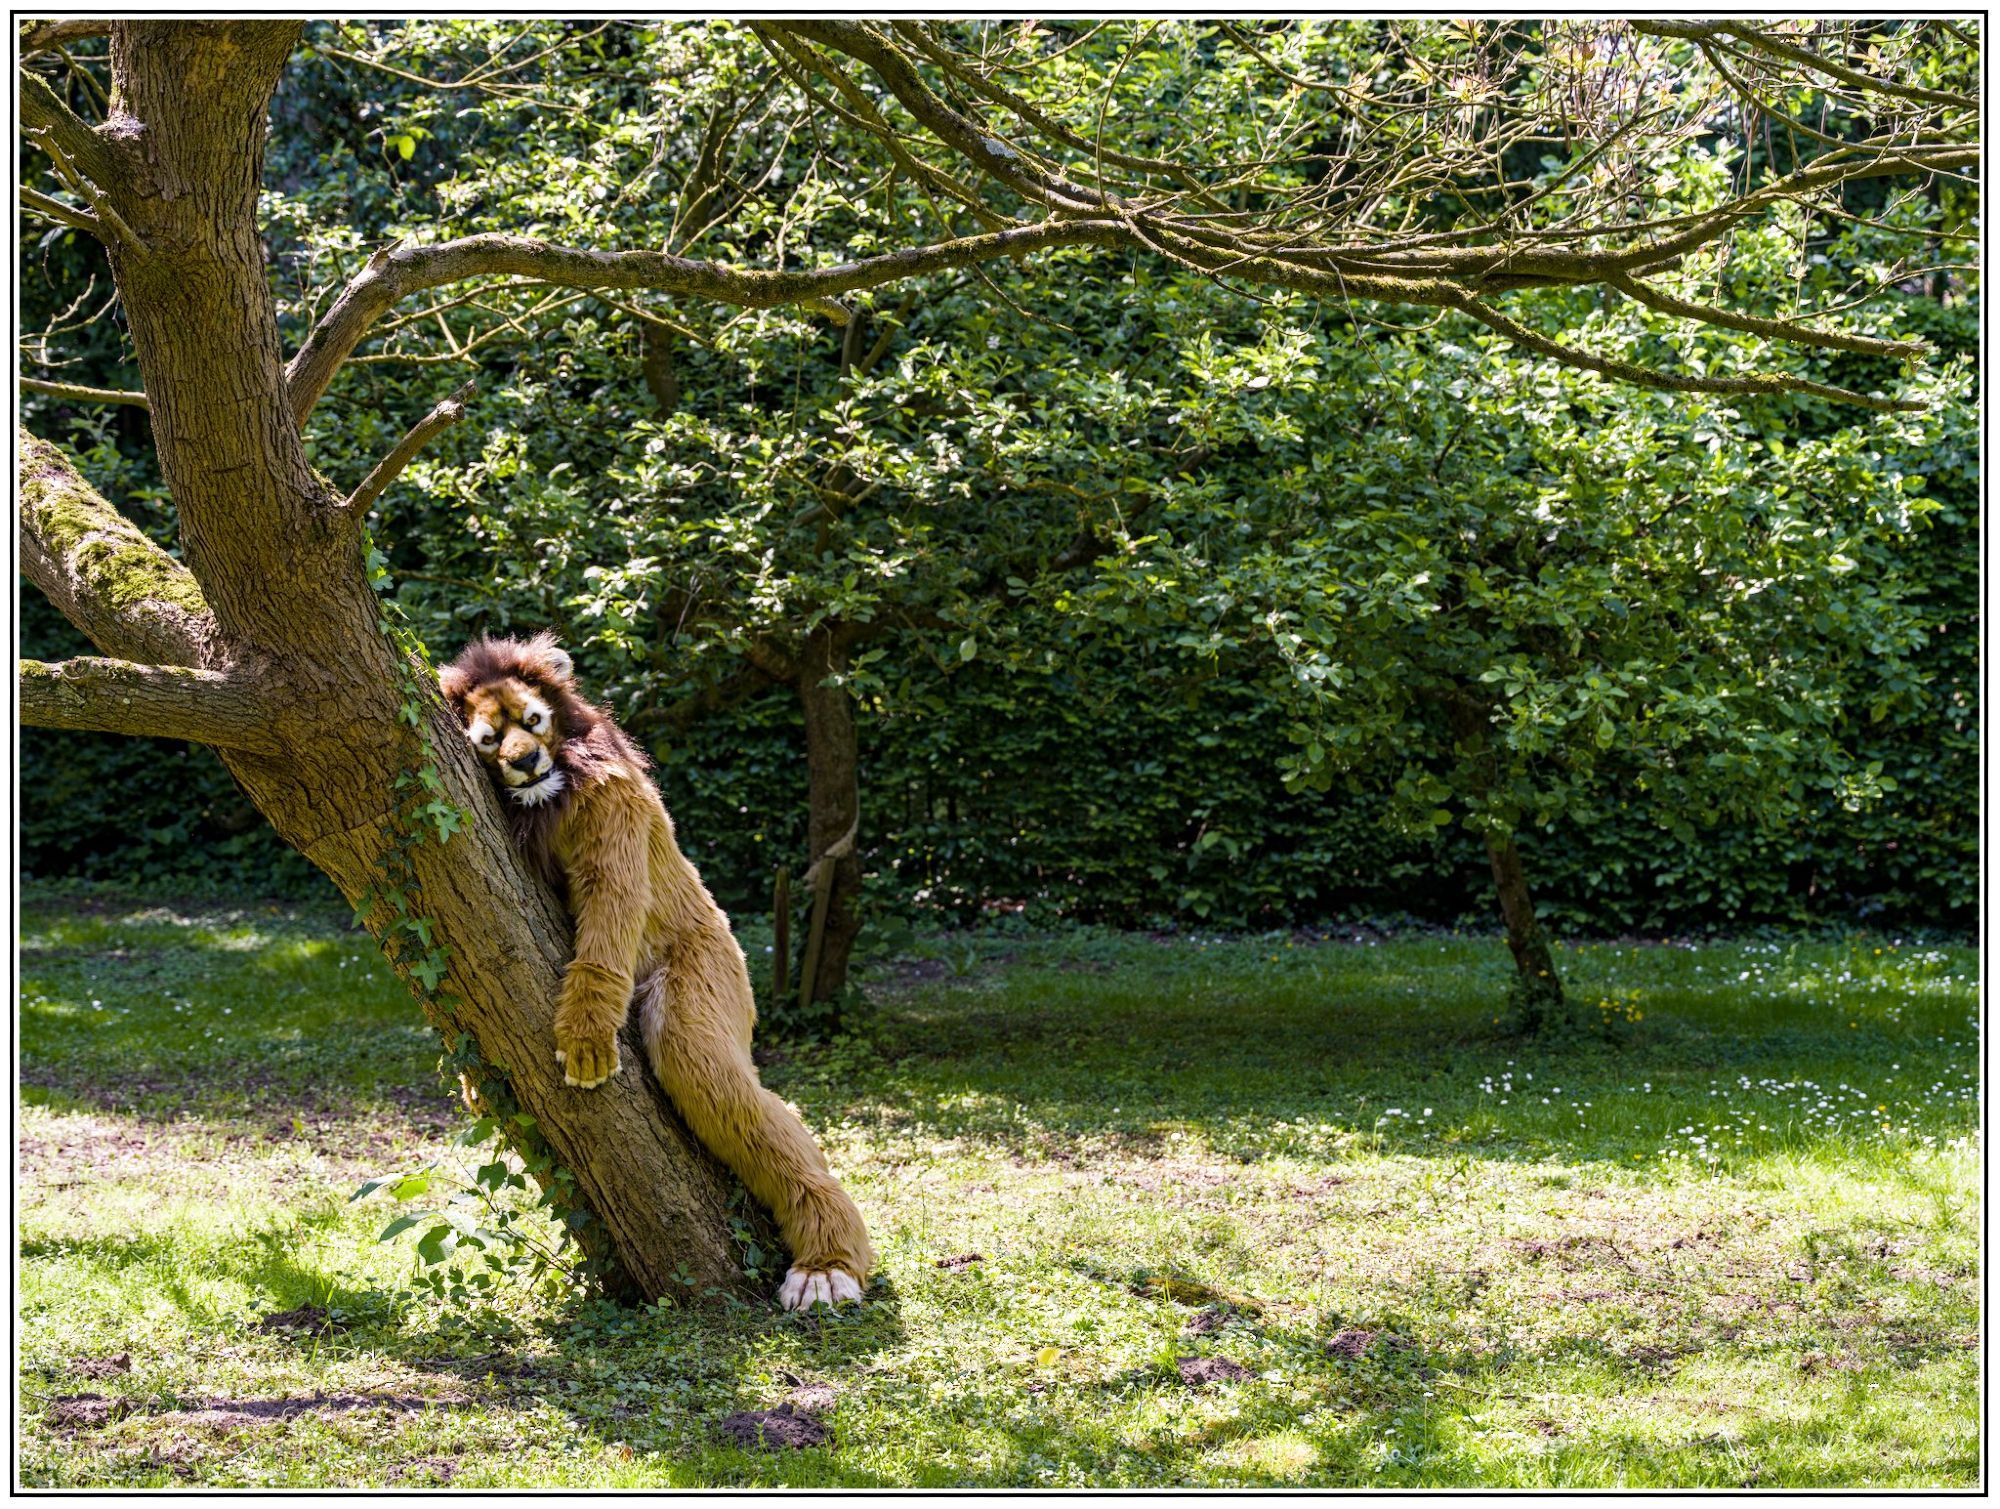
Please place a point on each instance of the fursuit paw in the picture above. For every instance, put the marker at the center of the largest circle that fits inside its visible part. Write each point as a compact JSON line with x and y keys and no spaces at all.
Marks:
{"x":805,"y":1287}
{"x":588,"y":1061}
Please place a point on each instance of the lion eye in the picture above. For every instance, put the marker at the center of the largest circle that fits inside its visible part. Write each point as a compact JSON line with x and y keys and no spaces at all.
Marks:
{"x":532,"y":722}
{"x":488,"y":740}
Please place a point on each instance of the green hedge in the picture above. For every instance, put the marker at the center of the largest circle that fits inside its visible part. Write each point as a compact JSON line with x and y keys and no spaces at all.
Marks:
{"x":1128,"y":788}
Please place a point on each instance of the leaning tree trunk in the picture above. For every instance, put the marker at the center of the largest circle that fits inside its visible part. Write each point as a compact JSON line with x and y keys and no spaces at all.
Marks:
{"x":266,"y":643}
{"x":833,"y":773}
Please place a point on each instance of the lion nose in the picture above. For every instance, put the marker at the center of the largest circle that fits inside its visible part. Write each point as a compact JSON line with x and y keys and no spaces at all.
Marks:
{"x":526,"y":763}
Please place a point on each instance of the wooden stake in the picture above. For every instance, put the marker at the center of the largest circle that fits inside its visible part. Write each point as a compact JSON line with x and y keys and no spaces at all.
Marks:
{"x":822,"y":894}
{"x":781,"y":926}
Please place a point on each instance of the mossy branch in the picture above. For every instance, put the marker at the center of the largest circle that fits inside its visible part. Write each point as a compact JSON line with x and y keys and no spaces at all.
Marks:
{"x":128,"y":595}
{"x":79,"y":393}
{"x":160,"y":701}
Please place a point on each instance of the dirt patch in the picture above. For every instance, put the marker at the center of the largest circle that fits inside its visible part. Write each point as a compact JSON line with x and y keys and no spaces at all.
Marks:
{"x":1356,"y":1344}
{"x":235,"y":1414}
{"x":813,"y":1399}
{"x":907,"y":974}
{"x":89,"y":1411}
{"x":486,"y":1365}
{"x":1322,"y":1186}
{"x":960,"y":1263}
{"x":1200,"y":1372}
{"x":782,"y":1429}
{"x":306,"y":1320}
{"x":1207,"y":1321}
{"x":425,"y":1471}
{"x":1176,"y":1176}
{"x":101,"y":1367}
{"x":1187,"y":1291}
{"x":73,"y":1412}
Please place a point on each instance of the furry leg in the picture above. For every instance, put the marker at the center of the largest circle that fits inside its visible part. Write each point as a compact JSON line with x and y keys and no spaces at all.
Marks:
{"x":697,"y":1033}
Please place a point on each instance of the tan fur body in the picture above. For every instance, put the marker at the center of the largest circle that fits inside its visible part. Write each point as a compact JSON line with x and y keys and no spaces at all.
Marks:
{"x":647,"y":927}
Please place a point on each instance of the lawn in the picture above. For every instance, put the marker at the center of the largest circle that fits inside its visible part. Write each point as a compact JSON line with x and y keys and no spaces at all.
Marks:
{"x":1736,"y":1245}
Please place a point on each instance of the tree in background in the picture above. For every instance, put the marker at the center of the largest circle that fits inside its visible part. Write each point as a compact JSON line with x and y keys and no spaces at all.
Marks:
{"x":264,"y":638}
{"x":1530,"y":602}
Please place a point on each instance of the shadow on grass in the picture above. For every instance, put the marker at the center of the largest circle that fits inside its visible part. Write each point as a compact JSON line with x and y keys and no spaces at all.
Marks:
{"x":1042,"y":1064}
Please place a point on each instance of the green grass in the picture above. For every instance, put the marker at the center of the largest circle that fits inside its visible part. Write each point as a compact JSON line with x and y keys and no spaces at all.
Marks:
{"x":1740,"y":1246}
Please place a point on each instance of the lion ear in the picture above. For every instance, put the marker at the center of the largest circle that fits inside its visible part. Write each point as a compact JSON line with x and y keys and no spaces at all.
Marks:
{"x":550,"y":658}
{"x":454,"y":683}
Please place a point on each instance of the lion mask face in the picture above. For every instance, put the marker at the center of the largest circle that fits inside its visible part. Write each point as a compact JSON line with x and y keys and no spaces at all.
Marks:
{"x":511,"y":696}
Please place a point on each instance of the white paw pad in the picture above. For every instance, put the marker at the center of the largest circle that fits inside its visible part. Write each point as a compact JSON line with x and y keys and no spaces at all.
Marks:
{"x":805,"y":1287}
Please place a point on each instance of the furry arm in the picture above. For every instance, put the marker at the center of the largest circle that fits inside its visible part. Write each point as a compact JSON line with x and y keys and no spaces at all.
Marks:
{"x":606,"y":863}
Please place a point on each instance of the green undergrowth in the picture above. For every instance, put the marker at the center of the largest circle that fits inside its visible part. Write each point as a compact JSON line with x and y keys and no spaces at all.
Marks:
{"x":1731,"y":1240}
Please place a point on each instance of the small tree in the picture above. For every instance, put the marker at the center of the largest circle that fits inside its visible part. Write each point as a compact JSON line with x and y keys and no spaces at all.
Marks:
{"x":1524,"y":600}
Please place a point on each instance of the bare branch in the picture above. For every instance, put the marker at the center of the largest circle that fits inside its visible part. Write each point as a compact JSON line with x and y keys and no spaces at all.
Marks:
{"x":447,"y":413}
{"x":128,"y":595}
{"x":50,"y":208}
{"x":1783,"y":330}
{"x":77,"y":393}
{"x":220,"y":708}
{"x":1765,"y":42}
{"x":398,"y":271}
{"x":45,"y":36}
{"x":1674,"y":382}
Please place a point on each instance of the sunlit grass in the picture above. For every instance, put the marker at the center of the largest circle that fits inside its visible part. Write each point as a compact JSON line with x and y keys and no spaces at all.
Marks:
{"x":1736,"y":1242}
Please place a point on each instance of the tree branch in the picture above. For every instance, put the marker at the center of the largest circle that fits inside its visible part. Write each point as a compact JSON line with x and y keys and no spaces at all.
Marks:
{"x":1674,"y":382}
{"x":1336,"y":259}
{"x":128,"y":595}
{"x":46,"y":36}
{"x":447,"y":413}
{"x":158,"y":701}
{"x":717,"y":697}
{"x":1772,"y":46}
{"x":399,"y":271}
{"x":66,"y":137}
{"x":1784,"y":330}
{"x":77,"y":393}
{"x":50,"y":208}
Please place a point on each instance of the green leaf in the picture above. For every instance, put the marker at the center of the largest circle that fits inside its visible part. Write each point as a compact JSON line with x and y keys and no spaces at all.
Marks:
{"x":412,"y":1186}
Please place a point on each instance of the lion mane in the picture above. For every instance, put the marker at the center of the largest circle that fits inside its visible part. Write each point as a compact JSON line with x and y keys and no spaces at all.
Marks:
{"x":591,"y":745}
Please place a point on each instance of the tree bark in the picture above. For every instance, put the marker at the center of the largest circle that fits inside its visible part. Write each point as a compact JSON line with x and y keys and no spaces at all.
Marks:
{"x":833,"y":770}
{"x":1538,"y":988}
{"x":274,"y":579}
{"x":159,"y":701}
{"x":1537,"y":999}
